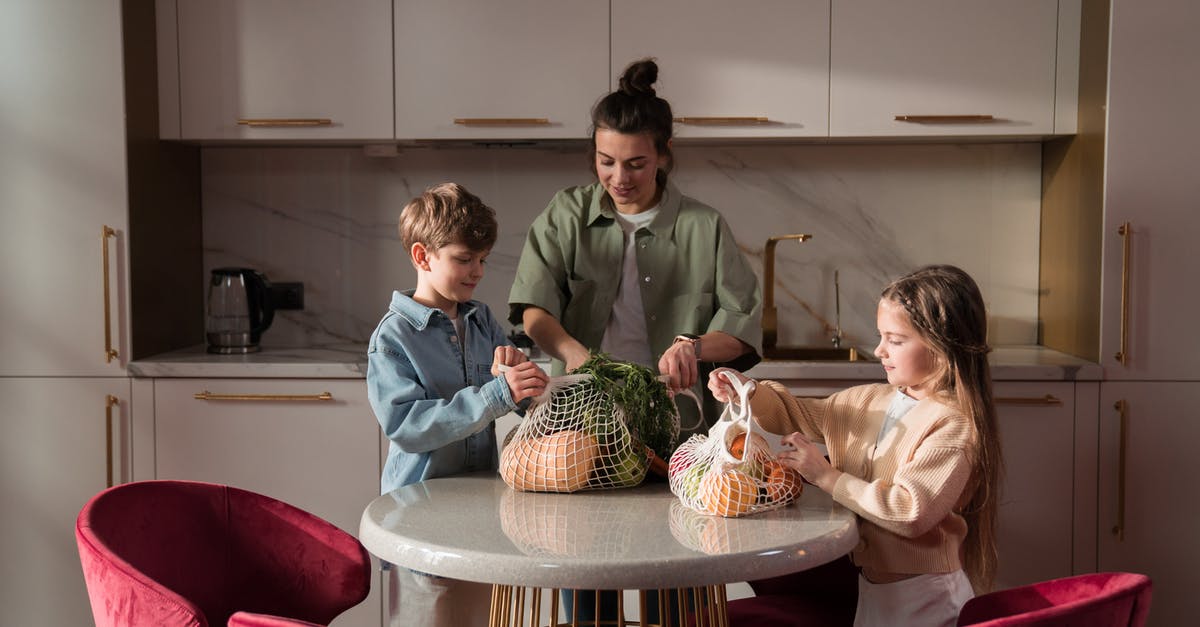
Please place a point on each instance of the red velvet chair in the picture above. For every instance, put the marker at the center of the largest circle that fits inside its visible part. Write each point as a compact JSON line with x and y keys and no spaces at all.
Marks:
{"x":189,"y":553}
{"x":1091,"y":600}
{"x":824,"y":596}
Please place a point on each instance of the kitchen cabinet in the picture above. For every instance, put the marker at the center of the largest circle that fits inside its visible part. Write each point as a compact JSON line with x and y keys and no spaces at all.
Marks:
{"x":480,"y":70}
{"x":1149,"y":400}
{"x":1148,"y":295}
{"x":936,"y":61}
{"x":56,"y":455}
{"x":278,"y":69}
{"x":64,"y":286}
{"x":730,"y":69}
{"x":1038,"y":422}
{"x":313,"y":443}
{"x":1148,"y":507}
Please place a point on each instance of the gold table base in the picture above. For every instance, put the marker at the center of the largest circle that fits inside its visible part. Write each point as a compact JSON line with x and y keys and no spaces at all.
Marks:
{"x":517,"y":606}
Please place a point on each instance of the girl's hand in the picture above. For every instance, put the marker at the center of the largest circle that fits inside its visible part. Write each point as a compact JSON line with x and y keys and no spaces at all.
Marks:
{"x":722,"y":389}
{"x":525,"y":380}
{"x":809,"y":461}
{"x":506,"y":356}
{"x":680,"y":364}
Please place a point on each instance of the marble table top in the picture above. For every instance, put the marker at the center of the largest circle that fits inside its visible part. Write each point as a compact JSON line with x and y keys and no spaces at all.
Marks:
{"x":474,"y":527}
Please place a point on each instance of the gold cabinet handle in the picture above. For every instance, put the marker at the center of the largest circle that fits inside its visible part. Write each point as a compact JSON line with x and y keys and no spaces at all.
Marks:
{"x":284,"y":122}
{"x":109,"y":352}
{"x":1118,"y":529}
{"x":717,"y":120}
{"x":209,"y":396}
{"x":944,"y":119}
{"x":1126,"y":233}
{"x":502,"y":121}
{"x":1046,"y":400}
{"x":110,"y":401}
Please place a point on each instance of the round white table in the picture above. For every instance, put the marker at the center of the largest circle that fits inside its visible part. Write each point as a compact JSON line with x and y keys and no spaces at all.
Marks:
{"x":474,"y":527}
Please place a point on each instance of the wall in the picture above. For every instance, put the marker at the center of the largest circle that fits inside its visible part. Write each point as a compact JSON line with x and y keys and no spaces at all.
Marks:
{"x":327,"y":216}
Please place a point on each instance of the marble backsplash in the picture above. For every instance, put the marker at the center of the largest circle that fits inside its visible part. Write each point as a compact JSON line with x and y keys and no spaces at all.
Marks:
{"x":326,"y":216}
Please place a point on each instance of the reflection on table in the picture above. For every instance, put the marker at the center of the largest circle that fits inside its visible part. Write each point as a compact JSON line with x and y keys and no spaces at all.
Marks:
{"x":476,"y":528}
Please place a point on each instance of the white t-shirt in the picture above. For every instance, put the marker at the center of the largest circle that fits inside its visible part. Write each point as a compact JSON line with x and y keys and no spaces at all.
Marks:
{"x":899,"y":406}
{"x":625,"y":336}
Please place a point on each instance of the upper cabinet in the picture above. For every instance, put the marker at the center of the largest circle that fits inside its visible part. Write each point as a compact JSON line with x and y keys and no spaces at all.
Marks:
{"x":732,"y":69}
{"x":279,"y":69}
{"x":362,"y":70}
{"x":947,"y":67}
{"x":477,"y":69}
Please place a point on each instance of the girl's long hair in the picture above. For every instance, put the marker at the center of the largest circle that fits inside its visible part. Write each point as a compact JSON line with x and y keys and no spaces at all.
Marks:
{"x":946,"y":308}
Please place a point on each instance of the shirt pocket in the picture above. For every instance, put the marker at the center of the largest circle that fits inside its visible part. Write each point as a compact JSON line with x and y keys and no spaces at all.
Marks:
{"x":483,"y":373}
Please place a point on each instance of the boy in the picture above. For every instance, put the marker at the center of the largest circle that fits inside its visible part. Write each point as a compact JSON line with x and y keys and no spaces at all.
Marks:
{"x":434,"y":383}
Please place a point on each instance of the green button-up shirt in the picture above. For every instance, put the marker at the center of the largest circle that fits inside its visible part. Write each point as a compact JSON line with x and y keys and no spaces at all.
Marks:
{"x":693,"y":277}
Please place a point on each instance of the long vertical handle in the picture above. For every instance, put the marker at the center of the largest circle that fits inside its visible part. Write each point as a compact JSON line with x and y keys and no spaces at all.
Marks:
{"x":110,"y":401}
{"x":1119,"y":529}
{"x":109,"y":352}
{"x":1126,"y":232}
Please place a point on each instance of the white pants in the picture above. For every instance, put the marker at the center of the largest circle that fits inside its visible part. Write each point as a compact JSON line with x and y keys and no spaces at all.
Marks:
{"x":422,"y":600}
{"x":922,"y":601}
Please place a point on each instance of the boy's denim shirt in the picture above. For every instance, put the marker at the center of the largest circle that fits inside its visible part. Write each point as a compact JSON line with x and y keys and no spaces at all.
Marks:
{"x":436,"y":414}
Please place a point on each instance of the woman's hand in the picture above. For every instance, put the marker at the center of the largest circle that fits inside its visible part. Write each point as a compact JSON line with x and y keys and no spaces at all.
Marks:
{"x":809,"y":461}
{"x":506,"y":356}
{"x":525,"y":380}
{"x":681,"y":365}
{"x":722,"y":390}
{"x":574,"y":354}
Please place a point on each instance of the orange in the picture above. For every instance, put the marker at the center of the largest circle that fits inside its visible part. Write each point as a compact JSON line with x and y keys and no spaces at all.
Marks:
{"x":784,"y":484}
{"x":728,"y":493}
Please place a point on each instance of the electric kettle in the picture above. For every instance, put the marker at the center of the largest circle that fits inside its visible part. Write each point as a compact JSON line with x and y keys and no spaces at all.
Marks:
{"x":239,"y":310}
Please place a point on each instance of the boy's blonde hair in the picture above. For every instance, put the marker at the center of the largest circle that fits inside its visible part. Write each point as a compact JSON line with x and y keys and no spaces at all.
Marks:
{"x":448,"y":214}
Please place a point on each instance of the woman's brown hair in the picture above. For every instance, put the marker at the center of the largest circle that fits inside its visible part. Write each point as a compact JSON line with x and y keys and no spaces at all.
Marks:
{"x":635,"y":108}
{"x":946,"y":307}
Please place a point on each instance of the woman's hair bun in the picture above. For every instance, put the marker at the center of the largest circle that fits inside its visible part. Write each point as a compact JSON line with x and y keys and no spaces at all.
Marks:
{"x":639,"y":78}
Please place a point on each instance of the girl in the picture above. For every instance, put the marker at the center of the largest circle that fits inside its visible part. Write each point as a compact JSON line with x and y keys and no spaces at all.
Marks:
{"x":918,"y":459}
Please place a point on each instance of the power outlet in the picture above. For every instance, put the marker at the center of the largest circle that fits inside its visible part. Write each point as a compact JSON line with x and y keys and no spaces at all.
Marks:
{"x":287,"y":295}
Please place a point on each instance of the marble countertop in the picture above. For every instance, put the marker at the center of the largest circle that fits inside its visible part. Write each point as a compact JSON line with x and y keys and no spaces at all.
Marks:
{"x":349,"y":361}
{"x":474,"y":527}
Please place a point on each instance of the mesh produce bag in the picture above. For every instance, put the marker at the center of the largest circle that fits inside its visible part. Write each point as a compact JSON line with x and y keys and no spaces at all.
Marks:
{"x":733,"y":471}
{"x":577,"y":436}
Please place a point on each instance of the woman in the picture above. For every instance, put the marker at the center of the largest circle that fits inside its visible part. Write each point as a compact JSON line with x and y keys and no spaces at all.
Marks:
{"x":631,"y":267}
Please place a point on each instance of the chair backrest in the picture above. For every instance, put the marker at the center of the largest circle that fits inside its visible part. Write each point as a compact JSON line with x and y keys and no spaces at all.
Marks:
{"x":183,"y":552}
{"x":1094,"y":600}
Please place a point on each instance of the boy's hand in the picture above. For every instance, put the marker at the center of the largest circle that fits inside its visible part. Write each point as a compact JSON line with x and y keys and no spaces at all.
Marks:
{"x":525,"y":380}
{"x":506,"y":356}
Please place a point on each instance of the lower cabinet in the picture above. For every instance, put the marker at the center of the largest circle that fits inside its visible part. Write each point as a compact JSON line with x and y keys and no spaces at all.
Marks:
{"x":55,"y":455}
{"x":1037,"y":519}
{"x":313,"y":443}
{"x":1148,"y":505}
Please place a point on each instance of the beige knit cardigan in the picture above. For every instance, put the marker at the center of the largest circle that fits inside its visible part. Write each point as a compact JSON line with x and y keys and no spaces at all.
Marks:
{"x":908,"y":491}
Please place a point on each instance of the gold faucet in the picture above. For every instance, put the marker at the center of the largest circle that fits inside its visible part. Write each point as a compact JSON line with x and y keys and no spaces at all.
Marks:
{"x":770,"y":324}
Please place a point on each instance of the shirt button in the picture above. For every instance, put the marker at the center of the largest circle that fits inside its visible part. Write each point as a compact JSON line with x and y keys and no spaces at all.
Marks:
{"x":647,"y":279}
{"x":454,"y":339}
{"x":653,"y":317}
{"x":642,"y":246}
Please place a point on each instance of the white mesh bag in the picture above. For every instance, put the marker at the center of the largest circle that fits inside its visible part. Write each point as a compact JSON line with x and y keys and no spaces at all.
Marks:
{"x":733,"y":470}
{"x":576,"y":436}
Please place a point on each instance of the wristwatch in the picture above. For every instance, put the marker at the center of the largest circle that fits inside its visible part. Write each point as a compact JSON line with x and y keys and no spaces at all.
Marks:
{"x":693,"y":339}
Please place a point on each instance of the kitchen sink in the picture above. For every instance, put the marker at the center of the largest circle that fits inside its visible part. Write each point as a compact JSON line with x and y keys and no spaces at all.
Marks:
{"x":812,"y":353}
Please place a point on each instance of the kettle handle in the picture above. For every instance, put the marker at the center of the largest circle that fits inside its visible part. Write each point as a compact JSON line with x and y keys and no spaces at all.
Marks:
{"x":262,"y":310}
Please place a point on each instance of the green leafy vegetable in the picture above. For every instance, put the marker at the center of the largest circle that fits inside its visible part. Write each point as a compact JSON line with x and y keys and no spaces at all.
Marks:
{"x":647,"y":404}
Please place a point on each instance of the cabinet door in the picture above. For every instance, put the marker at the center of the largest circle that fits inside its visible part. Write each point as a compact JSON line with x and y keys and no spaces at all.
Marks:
{"x":322,"y":69}
{"x":1035,"y":526}
{"x":1148,"y":505}
{"x":942,"y":58}
{"x":56,"y":455}
{"x":1151,"y":183}
{"x":62,"y":181}
{"x":319,"y":455}
{"x":745,"y":69}
{"x":476,"y":69}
